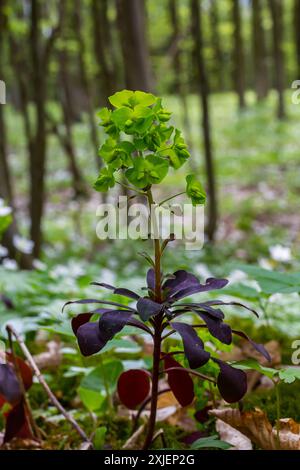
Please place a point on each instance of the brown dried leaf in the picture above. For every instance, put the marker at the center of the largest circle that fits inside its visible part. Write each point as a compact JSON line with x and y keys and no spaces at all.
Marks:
{"x":50,"y":359}
{"x":234,"y":437}
{"x":256,"y":426}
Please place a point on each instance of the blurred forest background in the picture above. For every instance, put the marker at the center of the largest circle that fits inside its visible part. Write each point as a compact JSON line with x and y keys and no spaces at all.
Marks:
{"x":224,"y":67}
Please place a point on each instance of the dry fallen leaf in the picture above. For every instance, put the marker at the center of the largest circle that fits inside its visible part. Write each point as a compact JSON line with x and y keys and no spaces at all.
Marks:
{"x":234,"y":437}
{"x":50,"y":359}
{"x":256,"y":426}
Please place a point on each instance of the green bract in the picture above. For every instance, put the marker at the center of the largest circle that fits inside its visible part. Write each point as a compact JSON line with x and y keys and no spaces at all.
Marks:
{"x":105,"y":180}
{"x":141,"y":143}
{"x":195,"y":190}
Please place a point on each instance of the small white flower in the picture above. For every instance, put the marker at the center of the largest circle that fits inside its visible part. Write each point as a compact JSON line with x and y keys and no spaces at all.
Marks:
{"x":5,"y":210}
{"x":23,"y":245}
{"x":280,"y":253}
{"x":3,"y":251}
{"x":202,"y":270}
{"x":237,"y":275}
{"x":265,"y":264}
{"x":10,"y":264}
{"x":39,"y":265}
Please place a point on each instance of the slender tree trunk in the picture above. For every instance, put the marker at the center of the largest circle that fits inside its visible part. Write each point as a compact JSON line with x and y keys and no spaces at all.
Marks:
{"x":179,"y":84}
{"x":297,"y":34}
{"x":239,"y":60}
{"x":67,"y":139}
{"x":204,"y":92}
{"x":216,"y":44}
{"x":85,"y":80}
{"x":40,"y":51}
{"x":259,"y":52}
{"x":38,"y":156}
{"x":103,"y":50}
{"x":6,"y":190}
{"x":132,"y":25}
{"x":276,"y":8}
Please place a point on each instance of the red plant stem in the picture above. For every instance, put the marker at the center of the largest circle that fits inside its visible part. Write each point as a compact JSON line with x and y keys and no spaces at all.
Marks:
{"x":154,"y":391}
{"x":157,"y":321}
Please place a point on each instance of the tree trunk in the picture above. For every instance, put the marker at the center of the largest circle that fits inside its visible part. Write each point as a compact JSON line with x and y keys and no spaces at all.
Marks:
{"x":131,"y":20}
{"x":259,"y":52}
{"x":276,"y":8}
{"x":103,"y":50}
{"x":85,"y":81}
{"x":216,"y":45}
{"x":179,"y":84}
{"x":6,"y":192}
{"x":40,"y":55}
{"x":239,"y":60}
{"x":297,"y":33}
{"x":67,"y":140}
{"x":203,"y":92}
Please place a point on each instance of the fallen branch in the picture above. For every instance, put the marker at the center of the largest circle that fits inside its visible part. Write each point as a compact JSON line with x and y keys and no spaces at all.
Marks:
{"x":44,"y":384}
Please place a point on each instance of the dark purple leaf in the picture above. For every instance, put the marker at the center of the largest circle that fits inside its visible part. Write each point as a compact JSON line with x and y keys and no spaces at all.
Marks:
{"x":214,"y":312}
{"x":133,"y":387}
{"x":82,"y":301}
{"x":217,"y":328}
{"x":179,"y":381}
{"x":7,"y":301}
{"x":259,"y":347}
{"x":112,"y":322}
{"x":235,"y":304}
{"x":79,"y":320}
{"x":9,"y":385}
{"x":16,"y":424}
{"x":194,"y":436}
{"x":193,"y":345}
{"x":118,"y":290}
{"x":202,"y":415}
{"x":211,"y":284}
{"x":151,"y":279}
{"x":148,"y":308}
{"x":181,"y":280}
{"x":232,"y":383}
{"x":95,"y":301}
{"x":89,"y":339}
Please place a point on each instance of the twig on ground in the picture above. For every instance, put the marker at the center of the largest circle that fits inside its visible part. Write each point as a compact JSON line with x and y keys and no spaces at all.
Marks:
{"x":44,"y":384}
{"x":132,"y":440}
{"x":160,"y":433}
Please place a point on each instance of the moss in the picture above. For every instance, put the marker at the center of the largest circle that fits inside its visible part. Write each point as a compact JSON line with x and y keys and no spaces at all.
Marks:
{"x":266,"y":400}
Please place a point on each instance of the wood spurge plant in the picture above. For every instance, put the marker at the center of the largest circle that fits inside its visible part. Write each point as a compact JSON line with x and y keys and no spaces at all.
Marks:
{"x":140,"y":148}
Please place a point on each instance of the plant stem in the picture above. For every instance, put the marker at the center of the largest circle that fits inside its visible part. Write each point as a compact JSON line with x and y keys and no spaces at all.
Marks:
{"x":154,"y":391}
{"x":157,"y":332}
{"x":278,"y":414}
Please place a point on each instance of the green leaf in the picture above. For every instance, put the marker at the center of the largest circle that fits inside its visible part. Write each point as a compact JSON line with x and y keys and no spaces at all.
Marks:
{"x":211,"y":441}
{"x":252,"y":364}
{"x":105,"y":115}
{"x":121,"y":98}
{"x":105,"y":180}
{"x":107,"y":150}
{"x":290,"y":374}
{"x":195,"y":190}
{"x":92,"y":400}
{"x":103,"y":377}
{"x":99,"y":438}
{"x":147,"y":171}
{"x":272,"y":282}
{"x":121,"y":115}
{"x":131,"y":98}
